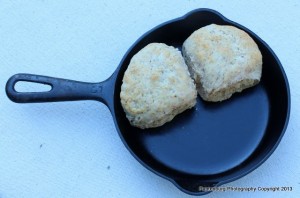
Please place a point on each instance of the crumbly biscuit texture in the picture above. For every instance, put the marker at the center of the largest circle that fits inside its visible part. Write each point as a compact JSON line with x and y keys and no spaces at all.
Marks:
{"x":156,"y":86}
{"x":222,"y":60}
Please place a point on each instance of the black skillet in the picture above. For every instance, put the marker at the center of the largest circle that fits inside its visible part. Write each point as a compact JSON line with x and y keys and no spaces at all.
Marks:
{"x":209,"y":145}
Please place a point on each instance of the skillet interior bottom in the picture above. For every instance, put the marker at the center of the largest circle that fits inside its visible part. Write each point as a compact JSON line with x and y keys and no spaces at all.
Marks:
{"x":212,"y":137}
{"x":209,"y":139}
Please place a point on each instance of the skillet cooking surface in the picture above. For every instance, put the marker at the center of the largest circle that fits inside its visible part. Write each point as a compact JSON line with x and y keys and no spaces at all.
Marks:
{"x":207,"y":139}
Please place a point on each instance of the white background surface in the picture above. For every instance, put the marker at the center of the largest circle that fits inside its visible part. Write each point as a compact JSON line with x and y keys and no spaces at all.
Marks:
{"x":71,"y":149}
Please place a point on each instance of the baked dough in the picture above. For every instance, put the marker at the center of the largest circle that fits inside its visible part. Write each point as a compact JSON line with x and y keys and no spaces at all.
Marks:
{"x":156,"y":86}
{"x":222,"y":60}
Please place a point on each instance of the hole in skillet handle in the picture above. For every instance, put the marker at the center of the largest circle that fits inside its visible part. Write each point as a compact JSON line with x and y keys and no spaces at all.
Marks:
{"x":24,"y":86}
{"x":194,"y":187}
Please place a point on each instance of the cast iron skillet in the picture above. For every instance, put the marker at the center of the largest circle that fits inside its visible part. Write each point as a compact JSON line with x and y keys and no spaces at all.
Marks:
{"x":209,"y":145}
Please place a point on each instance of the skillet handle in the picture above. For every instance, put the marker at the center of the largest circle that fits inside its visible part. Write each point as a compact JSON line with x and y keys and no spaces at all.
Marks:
{"x":195,"y":187}
{"x":61,"y":90}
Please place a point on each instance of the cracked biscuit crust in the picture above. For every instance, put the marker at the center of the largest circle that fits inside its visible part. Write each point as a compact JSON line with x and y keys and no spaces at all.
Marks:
{"x":156,"y":86}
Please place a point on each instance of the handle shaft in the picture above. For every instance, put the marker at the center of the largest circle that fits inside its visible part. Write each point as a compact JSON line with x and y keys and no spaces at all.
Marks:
{"x":61,"y":90}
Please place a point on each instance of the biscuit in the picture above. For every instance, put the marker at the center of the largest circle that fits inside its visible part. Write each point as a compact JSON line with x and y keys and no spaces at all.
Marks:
{"x":156,"y":86}
{"x":222,"y":60}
